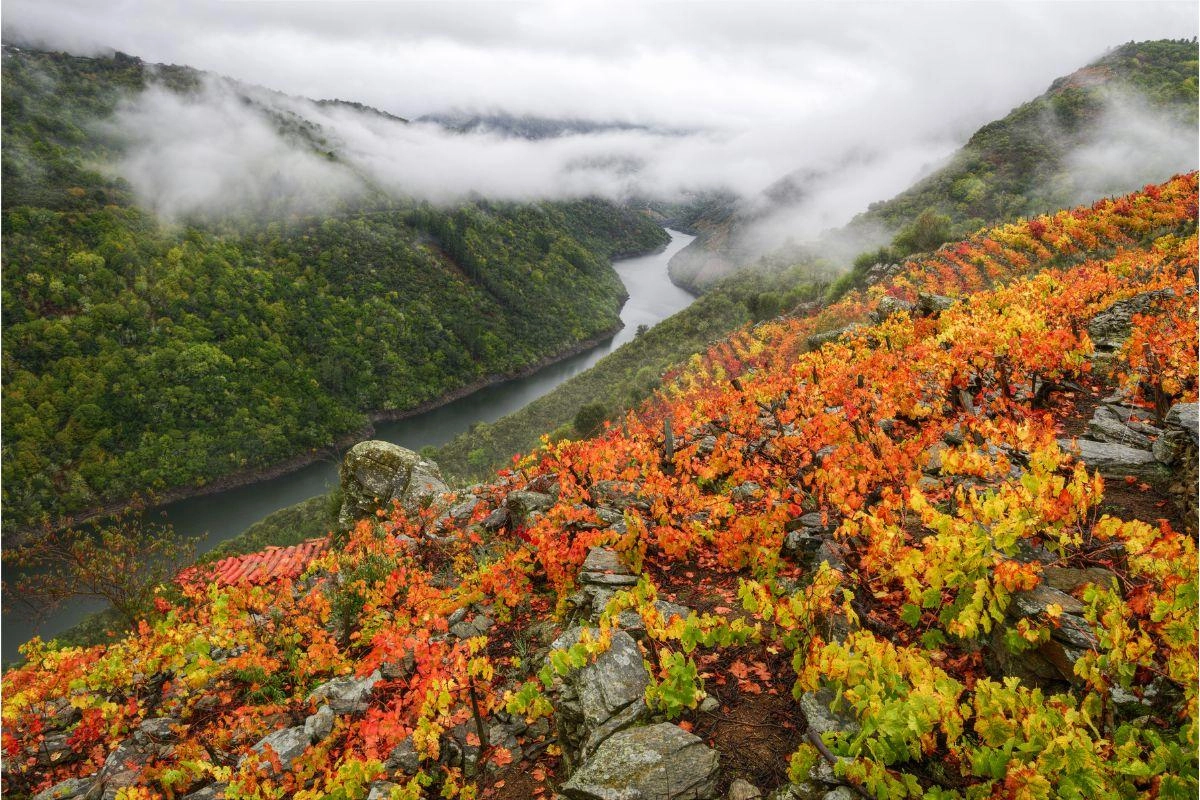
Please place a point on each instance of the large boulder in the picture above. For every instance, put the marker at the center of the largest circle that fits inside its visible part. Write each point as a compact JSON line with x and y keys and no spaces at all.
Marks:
{"x":659,"y":762}
{"x":375,"y":474}
{"x":1115,"y":460}
{"x":347,"y":694}
{"x":288,"y":744}
{"x":601,"y":698}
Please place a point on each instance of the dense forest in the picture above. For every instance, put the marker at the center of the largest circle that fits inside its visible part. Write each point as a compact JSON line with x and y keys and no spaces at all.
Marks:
{"x":144,"y":356}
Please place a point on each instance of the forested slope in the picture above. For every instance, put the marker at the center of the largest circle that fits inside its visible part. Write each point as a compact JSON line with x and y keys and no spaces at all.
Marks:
{"x":146,"y":356}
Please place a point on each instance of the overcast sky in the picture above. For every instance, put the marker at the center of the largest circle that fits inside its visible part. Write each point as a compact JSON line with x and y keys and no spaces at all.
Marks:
{"x":886,"y":88}
{"x":727,"y":64}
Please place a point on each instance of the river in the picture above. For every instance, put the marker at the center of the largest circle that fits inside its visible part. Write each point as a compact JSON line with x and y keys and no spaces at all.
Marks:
{"x":217,"y":517}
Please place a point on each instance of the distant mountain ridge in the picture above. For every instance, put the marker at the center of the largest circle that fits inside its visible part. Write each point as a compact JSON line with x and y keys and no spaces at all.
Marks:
{"x":532,"y":127}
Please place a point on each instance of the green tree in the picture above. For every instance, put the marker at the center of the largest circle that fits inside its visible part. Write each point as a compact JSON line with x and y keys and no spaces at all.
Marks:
{"x":589,"y":420}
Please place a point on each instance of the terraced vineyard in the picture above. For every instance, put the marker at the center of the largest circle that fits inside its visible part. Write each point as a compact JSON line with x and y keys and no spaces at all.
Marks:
{"x":847,"y":552}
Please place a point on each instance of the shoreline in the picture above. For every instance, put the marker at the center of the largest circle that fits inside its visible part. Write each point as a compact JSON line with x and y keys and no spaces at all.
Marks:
{"x":249,"y":477}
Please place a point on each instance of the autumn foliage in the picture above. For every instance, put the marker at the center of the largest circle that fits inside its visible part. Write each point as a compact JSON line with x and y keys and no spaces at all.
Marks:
{"x":744,"y":439}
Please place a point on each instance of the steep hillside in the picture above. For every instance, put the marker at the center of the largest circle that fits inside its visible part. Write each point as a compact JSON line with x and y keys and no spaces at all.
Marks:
{"x":1102,"y":130}
{"x":143,"y":356}
{"x":878,"y":548}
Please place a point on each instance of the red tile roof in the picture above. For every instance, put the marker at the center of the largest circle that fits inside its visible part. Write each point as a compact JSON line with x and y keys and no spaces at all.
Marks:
{"x":274,"y":563}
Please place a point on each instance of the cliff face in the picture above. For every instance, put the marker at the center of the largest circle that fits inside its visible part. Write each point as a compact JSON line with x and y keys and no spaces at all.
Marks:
{"x":910,"y":553}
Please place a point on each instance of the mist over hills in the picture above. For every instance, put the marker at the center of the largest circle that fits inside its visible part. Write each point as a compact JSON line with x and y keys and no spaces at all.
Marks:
{"x":1126,"y":119}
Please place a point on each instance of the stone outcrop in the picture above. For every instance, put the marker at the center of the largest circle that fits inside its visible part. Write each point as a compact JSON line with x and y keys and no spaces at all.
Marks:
{"x":375,"y":474}
{"x":1115,"y":460}
{"x":601,"y":698}
{"x":1051,"y":661}
{"x":657,"y":762}
{"x":602,"y":576}
{"x":1110,"y":328}
{"x":346,"y":695}
{"x":288,"y":744}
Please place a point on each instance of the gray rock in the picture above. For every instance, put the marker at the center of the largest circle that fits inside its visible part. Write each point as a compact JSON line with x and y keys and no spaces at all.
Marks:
{"x":1108,"y":427}
{"x":816,"y":707}
{"x":709,"y":704}
{"x":743,"y":790}
{"x":1169,"y":448}
{"x":461,"y":512}
{"x":603,"y":559}
{"x":1110,"y":328}
{"x":603,"y":697}
{"x":933,"y":464}
{"x":632,"y":623}
{"x":617,"y":494}
{"x":66,"y":790}
{"x":54,"y":750}
{"x":347,"y":695}
{"x":658,"y":762}
{"x":288,"y":744}
{"x":888,"y":306}
{"x":817,"y":340}
{"x":374,"y":474}
{"x":521,"y":504}
{"x":809,"y":790}
{"x":603,"y":567}
{"x":1070,"y":579}
{"x":840,"y":793}
{"x":495,"y":520}
{"x":745,"y":492}
{"x":607,"y":579}
{"x":929,"y":305}
{"x":706,"y":445}
{"x":1186,"y":417}
{"x":215,"y":791}
{"x":1114,"y":460}
{"x":1033,"y":602}
{"x":404,"y":758}
{"x":320,"y":724}
{"x":802,"y":545}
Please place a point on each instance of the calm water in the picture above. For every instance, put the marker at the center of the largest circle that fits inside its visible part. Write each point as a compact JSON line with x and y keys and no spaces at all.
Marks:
{"x":217,"y":517}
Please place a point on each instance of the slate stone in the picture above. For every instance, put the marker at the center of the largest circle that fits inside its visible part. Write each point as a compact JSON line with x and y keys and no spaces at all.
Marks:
{"x":66,"y":790}
{"x":320,"y":724}
{"x":1110,"y":328}
{"x":1115,"y":460}
{"x":817,"y":708}
{"x":288,"y":744}
{"x":658,"y":762}
{"x":347,"y":695}
{"x":607,"y":695}
{"x":1186,"y":417}
{"x":521,"y":504}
